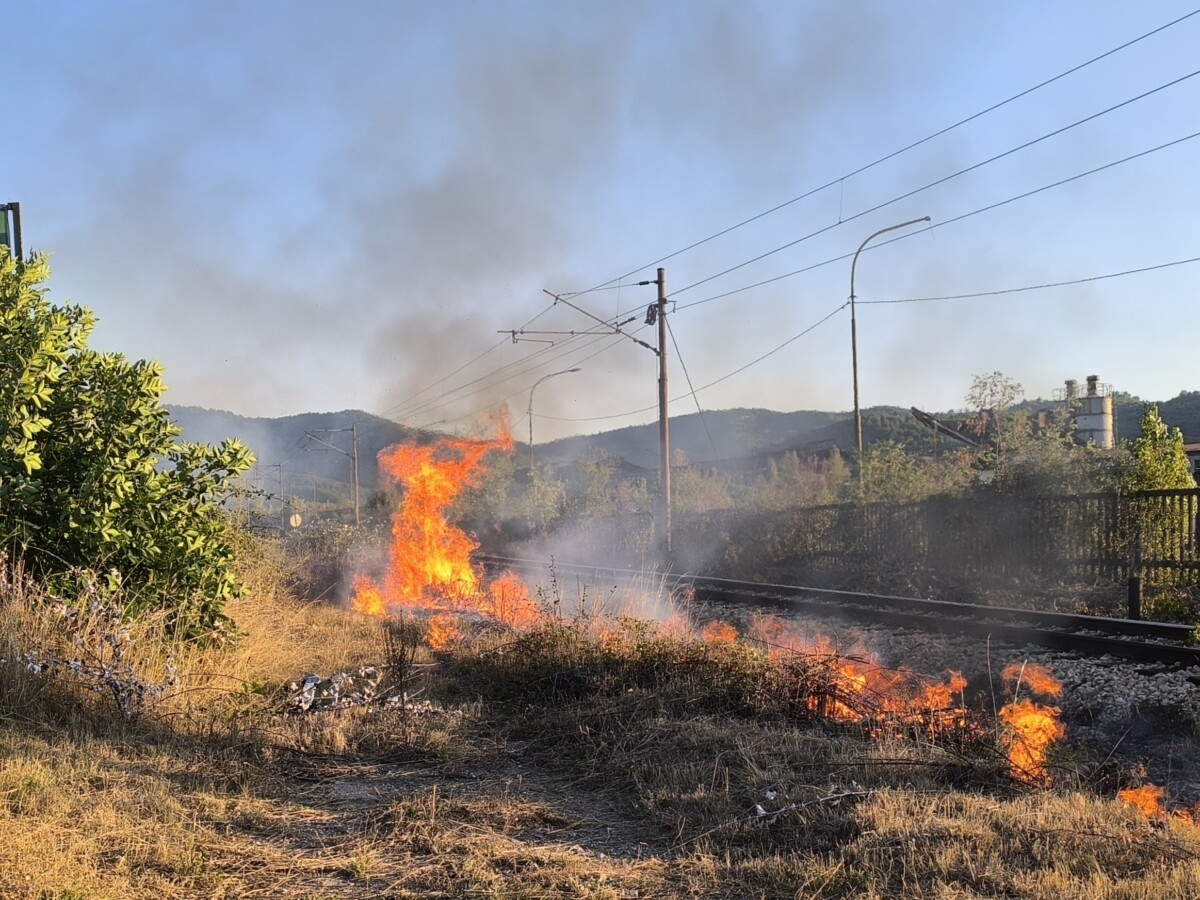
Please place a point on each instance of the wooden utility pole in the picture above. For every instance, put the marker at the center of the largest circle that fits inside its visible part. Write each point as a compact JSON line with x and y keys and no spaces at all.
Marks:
{"x":655,"y":313}
{"x":664,"y":426}
{"x":354,"y":466}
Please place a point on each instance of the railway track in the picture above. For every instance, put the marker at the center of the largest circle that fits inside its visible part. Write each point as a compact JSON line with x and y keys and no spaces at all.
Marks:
{"x":1143,"y":641}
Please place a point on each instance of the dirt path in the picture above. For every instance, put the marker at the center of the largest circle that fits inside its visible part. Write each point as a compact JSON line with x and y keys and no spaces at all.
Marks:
{"x":380,"y":828}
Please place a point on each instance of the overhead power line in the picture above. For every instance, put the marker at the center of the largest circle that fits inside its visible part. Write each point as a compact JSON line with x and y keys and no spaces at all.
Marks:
{"x":939,"y":181}
{"x":1034,"y":287}
{"x":947,"y":222}
{"x":951,"y":221}
{"x":976,"y":294}
{"x":614,"y":283}
{"x":893,"y":154}
{"x":694,"y":391}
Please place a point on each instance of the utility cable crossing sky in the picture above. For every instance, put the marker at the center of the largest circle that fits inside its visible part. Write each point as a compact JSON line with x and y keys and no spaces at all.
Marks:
{"x":1023,"y":146}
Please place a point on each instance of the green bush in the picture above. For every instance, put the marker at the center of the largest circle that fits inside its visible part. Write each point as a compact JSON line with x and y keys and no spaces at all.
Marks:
{"x":92,"y":476}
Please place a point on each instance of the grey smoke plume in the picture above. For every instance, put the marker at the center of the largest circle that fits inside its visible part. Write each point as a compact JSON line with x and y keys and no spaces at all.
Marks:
{"x":297,"y":207}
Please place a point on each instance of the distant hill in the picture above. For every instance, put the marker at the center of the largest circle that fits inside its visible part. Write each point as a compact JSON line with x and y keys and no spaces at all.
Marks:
{"x":716,"y":436}
{"x":286,"y":441}
{"x":1182,"y":412}
{"x":743,"y":439}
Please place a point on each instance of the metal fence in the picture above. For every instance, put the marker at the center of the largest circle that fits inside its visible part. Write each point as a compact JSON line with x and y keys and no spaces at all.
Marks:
{"x":1093,"y":536}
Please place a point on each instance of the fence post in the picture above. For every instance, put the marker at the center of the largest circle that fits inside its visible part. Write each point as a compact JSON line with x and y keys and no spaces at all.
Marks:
{"x":1135,"y":597}
{"x":1134,"y":593}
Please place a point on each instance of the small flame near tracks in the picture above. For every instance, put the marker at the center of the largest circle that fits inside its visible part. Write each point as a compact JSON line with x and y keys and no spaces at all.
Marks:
{"x":867,"y":693}
{"x":864,"y":692}
{"x":1031,"y":726}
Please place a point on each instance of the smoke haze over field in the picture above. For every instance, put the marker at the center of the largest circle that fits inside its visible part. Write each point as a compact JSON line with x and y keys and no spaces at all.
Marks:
{"x":299,"y":208}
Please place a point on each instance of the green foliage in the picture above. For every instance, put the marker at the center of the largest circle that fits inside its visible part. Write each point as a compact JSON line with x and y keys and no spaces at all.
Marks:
{"x":790,"y":481}
{"x":1156,"y":457}
{"x":994,"y":391}
{"x":1184,"y":413}
{"x":544,"y":500}
{"x":592,"y":492}
{"x":695,"y":490}
{"x":998,"y":426}
{"x":888,"y":474}
{"x":1048,"y":461}
{"x":1155,"y":461}
{"x":92,"y":476}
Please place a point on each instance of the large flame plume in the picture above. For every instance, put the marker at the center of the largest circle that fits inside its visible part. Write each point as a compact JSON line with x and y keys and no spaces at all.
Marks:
{"x":429,"y":559}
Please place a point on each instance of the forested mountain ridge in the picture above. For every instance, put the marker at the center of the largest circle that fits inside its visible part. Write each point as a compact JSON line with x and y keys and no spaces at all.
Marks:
{"x":738,"y":438}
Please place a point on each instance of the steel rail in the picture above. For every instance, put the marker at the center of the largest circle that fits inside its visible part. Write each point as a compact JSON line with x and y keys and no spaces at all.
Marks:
{"x":1094,"y":635}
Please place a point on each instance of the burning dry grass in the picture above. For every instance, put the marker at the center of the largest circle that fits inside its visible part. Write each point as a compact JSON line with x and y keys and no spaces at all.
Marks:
{"x":582,"y":756}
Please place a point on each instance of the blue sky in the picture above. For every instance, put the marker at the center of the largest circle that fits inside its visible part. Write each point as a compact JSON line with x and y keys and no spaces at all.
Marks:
{"x":301,"y":207}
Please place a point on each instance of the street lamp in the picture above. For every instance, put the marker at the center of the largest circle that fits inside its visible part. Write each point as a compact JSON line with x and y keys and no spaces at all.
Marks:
{"x":531,"y":390}
{"x":854,"y":329}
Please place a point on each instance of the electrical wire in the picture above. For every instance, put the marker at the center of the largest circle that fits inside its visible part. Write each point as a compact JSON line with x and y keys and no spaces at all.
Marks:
{"x":939,"y":181}
{"x":703,"y":387}
{"x":892,"y":155}
{"x":527,"y":364}
{"x":947,"y":222}
{"x":466,"y":365}
{"x":1033,"y":287}
{"x":524,"y":388}
{"x":609,"y":285}
{"x":693,"y":394}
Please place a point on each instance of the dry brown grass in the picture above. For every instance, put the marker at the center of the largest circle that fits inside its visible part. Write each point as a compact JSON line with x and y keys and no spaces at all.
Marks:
{"x":570,"y":764}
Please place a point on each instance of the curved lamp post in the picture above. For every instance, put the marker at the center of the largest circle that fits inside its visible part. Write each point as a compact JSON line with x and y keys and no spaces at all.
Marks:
{"x":854,"y":328}
{"x":530,"y":413}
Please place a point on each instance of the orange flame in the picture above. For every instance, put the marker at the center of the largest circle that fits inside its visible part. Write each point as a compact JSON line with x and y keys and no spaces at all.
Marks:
{"x":1037,"y":678}
{"x":864,"y":692}
{"x":1147,"y":799}
{"x":1150,"y":801}
{"x":1032,"y":727}
{"x":366,"y":598}
{"x":719,"y":633}
{"x":429,"y":560}
{"x":509,"y":602}
{"x":443,"y":630}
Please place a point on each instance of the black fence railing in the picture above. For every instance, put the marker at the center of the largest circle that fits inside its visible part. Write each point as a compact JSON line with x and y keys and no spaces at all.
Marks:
{"x":1089,"y":537}
{"x":1093,"y":536}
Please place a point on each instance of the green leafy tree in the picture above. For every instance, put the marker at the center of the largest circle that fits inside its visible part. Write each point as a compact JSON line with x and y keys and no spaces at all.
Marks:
{"x":1047,"y":460}
{"x":1156,"y":458}
{"x":1149,"y":528}
{"x":592,"y":491}
{"x":693,"y":489}
{"x":837,"y":478}
{"x":92,"y":474}
{"x":992,"y":397}
{"x":889,"y":474}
